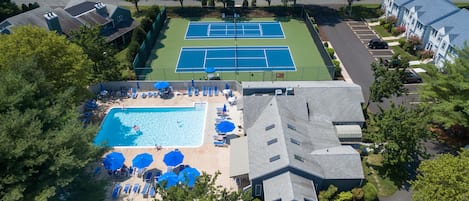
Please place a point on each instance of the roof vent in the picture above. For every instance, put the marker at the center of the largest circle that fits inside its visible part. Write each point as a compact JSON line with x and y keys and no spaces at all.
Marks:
{"x":269,"y":127}
{"x":53,"y":22}
{"x":101,"y":9}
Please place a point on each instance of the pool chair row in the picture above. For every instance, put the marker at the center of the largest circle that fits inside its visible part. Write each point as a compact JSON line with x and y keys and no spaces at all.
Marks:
{"x":206,"y":91}
{"x":147,"y":190}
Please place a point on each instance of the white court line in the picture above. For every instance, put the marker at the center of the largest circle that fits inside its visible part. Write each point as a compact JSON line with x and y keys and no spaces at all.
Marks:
{"x":261,"y":33}
{"x":245,"y":58}
{"x":209,"y":29}
{"x":266,"y":60}
{"x":205,"y":57}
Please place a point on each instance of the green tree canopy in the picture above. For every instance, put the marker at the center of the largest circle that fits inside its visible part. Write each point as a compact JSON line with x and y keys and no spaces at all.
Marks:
{"x":386,"y":82}
{"x":105,"y":66}
{"x":8,"y":9}
{"x":135,"y":4}
{"x":447,"y":94}
{"x":62,"y":62}
{"x":444,"y":178}
{"x":204,"y":189}
{"x":399,"y":130}
{"x":43,"y":145}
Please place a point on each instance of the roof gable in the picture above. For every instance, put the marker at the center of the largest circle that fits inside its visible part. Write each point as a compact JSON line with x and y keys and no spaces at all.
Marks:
{"x":457,"y":26}
{"x":431,"y":12}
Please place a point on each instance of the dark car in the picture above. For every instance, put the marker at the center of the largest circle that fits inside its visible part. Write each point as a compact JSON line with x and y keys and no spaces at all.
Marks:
{"x":411,"y":77}
{"x":377,"y":43}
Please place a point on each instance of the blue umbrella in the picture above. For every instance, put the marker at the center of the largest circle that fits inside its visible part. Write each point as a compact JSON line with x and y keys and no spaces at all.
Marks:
{"x":224,"y":108}
{"x":188,"y":176}
{"x":173,"y":158}
{"x":231,"y":93}
{"x":210,"y":70}
{"x":227,"y":86}
{"x":161,"y":85}
{"x":225,"y":126}
{"x":192,"y":83}
{"x":142,"y":160}
{"x":113,"y":161}
{"x":170,"y":178}
{"x":138,"y":85}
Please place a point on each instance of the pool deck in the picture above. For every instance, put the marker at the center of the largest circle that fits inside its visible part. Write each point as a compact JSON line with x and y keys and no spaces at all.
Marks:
{"x":206,"y":158}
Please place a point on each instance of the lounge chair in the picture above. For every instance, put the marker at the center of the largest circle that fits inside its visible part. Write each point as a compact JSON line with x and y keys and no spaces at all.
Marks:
{"x":157,"y":175}
{"x":127,"y":188}
{"x":155,"y":94}
{"x":144,"y":95}
{"x":150,"y":94}
{"x":136,"y":188}
{"x":215,"y":91}
{"x":116,"y":190}
{"x":148,"y":176}
{"x":196,"y":91}
{"x":220,"y":143}
{"x":210,"y":92}
{"x":145,"y":189}
{"x":204,"y":91}
{"x":152,"y":192}
{"x":189,"y":91}
{"x":134,"y":93}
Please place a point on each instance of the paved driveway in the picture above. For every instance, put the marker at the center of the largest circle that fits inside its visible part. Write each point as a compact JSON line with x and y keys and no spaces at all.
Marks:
{"x":364,"y":33}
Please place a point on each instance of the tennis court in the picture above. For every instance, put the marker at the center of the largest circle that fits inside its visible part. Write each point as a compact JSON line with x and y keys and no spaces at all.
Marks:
{"x":236,"y":59}
{"x":206,"y":30}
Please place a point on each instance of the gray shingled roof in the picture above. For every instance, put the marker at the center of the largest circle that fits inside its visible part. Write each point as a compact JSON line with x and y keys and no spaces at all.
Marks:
{"x":289,"y":186}
{"x":281,"y":134}
{"x":431,"y":12}
{"x":401,"y":2}
{"x":457,"y":25}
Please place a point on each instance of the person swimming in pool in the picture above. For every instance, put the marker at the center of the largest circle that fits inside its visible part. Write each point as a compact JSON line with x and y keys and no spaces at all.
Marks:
{"x":136,"y":128}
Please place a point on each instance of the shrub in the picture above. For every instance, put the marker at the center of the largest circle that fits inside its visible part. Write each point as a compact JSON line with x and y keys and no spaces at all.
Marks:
{"x":387,"y":26}
{"x":391,"y":20}
{"x":328,"y":194}
{"x":204,"y":3}
{"x":344,"y":196}
{"x":326,"y":45}
{"x":152,"y":12}
{"x":211,"y":3}
{"x":337,"y":69}
{"x":146,"y":24}
{"x":426,"y":54}
{"x":382,"y":21}
{"x":245,"y":3}
{"x":132,"y":50}
{"x":397,"y":30}
{"x":370,"y":192}
{"x":358,"y":193}
{"x":413,"y":42}
{"x":253,"y":3}
{"x":402,"y":42}
{"x":139,"y":35}
{"x":330,"y":51}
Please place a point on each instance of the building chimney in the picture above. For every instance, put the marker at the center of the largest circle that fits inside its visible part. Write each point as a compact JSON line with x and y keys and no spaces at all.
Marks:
{"x":101,"y":9}
{"x":53,"y":22}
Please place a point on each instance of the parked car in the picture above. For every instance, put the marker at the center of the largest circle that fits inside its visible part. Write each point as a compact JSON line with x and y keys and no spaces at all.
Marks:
{"x":411,"y":77}
{"x":377,"y":43}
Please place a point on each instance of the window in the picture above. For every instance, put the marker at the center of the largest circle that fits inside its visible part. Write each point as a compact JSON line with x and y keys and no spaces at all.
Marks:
{"x":294,"y":141}
{"x":291,"y":127}
{"x":272,"y":141}
{"x":434,"y":32}
{"x":299,"y":158}
{"x":443,"y":45}
{"x":269,"y":127}
{"x":258,"y":190}
{"x":274,"y":158}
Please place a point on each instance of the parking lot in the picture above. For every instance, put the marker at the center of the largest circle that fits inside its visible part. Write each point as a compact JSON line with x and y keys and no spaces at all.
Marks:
{"x":365,"y":34}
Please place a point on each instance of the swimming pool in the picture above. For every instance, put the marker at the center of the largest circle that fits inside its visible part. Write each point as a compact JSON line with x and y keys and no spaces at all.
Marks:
{"x":164,"y":126}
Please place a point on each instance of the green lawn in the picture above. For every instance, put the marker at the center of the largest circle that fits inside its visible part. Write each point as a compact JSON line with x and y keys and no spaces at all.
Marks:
{"x":165,"y":53}
{"x":402,"y":52}
{"x":371,"y":166}
{"x":381,"y":31}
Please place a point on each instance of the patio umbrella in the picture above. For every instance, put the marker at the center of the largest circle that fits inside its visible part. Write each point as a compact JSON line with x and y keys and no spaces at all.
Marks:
{"x":113,"y":161}
{"x":192,"y":83}
{"x":210,"y":70}
{"x":161,"y":85}
{"x":227,"y":86}
{"x":138,"y":85}
{"x":170,"y":178}
{"x":142,"y":160}
{"x":173,"y":158}
{"x":225,"y":126}
{"x":188,"y":176}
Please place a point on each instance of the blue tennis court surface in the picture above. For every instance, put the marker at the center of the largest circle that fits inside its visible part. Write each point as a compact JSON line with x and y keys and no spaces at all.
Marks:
{"x":204,"y":30}
{"x":231,"y":59}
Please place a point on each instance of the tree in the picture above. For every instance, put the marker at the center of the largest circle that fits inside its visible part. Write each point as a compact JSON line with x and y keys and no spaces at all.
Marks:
{"x":328,"y":194}
{"x":444,"y":178}
{"x":64,"y":63}
{"x":350,"y":7}
{"x":386,"y":82}
{"x":370,"y":192}
{"x":344,"y":196}
{"x":447,"y":94}
{"x":180,"y":2}
{"x":135,"y":4}
{"x":268,"y":2}
{"x":400,"y":130}
{"x":44,"y":145}
{"x":204,"y":189}
{"x":102,"y":54}
{"x":8,"y":9}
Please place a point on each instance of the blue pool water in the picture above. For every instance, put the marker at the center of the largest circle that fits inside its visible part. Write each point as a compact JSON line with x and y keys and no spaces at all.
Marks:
{"x":165,"y":126}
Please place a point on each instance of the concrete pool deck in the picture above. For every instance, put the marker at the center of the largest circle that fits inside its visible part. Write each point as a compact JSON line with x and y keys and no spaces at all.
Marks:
{"x":206,"y":158}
